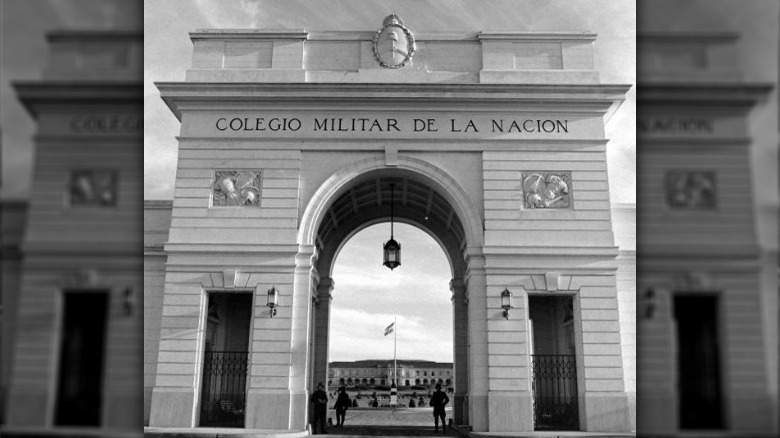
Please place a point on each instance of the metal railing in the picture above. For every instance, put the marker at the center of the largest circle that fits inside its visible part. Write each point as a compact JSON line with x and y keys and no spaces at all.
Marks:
{"x":223,"y":394}
{"x":555,"y":392}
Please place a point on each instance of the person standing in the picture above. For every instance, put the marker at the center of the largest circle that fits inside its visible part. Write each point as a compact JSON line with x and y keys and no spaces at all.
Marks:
{"x":320,"y":401}
{"x":342,"y":403}
{"x":438,"y":401}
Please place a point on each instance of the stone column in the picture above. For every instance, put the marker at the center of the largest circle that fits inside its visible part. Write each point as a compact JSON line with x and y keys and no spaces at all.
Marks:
{"x":322,"y":330}
{"x":478,"y":341}
{"x":300,"y":354}
{"x":460,"y":355}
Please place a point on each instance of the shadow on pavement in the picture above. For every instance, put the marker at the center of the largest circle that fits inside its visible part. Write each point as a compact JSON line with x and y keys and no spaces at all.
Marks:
{"x":383,"y":430}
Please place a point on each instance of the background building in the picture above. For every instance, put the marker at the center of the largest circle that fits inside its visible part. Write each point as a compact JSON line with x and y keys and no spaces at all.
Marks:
{"x":380,"y":372}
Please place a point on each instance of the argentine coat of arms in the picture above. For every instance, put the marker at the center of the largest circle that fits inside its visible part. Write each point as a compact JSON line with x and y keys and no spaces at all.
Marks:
{"x":393,"y":44}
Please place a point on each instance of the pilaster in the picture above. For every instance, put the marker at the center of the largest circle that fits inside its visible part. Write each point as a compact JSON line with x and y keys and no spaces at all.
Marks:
{"x":478,"y":342}
{"x":322,"y":330}
{"x":299,"y":346}
{"x":461,"y":349}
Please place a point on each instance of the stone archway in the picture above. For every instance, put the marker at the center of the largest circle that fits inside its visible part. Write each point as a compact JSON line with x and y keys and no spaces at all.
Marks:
{"x":479,"y":147}
{"x":355,"y":198}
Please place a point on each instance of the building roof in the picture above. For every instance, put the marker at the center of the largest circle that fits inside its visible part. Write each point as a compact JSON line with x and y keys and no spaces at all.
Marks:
{"x":377,"y":363}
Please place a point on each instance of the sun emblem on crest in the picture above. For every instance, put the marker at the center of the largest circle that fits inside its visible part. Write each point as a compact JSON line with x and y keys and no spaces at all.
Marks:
{"x":393,"y":44}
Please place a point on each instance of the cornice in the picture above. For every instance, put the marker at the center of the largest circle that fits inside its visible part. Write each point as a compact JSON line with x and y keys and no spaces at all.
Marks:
{"x":537,"y":36}
{"x":35,"y":94}
{"x":735,"y":94}
{"x":253,"y":34}
{"x":600,"y":96}
{"x":678,"y":37}
{"x":97,"y":35}
{"x":158,"y":204}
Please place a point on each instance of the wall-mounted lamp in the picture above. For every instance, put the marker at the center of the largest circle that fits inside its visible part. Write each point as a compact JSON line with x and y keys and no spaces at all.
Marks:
{"x":506,"y":302}
{"x":648,"y":302}
{"x":128,"y":300}
{"x":273,"y":297}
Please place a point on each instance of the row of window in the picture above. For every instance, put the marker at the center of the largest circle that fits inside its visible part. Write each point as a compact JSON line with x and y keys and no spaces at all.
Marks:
{"x":374,"y":372}
{"x":407,"y":382}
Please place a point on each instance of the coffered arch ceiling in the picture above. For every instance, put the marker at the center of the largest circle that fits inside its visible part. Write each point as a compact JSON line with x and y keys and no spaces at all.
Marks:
{"x":366,"y":201}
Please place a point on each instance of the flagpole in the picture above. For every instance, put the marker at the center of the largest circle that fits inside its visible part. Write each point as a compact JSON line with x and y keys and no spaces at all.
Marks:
{"x":395,"y":343}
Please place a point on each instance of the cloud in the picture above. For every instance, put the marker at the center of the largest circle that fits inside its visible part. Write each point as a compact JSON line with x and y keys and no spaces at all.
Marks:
{"x":357,"y":334}
{"x":368,"y":296}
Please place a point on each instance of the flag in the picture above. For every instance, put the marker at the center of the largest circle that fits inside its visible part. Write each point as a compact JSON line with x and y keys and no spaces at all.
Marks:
{"x":389,"y":329}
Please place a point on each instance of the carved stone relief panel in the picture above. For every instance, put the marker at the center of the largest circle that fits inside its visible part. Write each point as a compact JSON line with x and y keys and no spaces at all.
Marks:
{"x":90,"y":187}
{"x":236,"y":188}
{"x":687,"y":190}
{"x":547,"y":189}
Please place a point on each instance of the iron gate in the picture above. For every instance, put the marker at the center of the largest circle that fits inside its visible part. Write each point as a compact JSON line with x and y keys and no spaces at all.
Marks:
{"x":223,"y":398}
{"x":555,"y":392}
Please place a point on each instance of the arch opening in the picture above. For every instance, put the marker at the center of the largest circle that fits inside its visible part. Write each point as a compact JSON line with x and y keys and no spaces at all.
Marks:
{"x":366,"y":299}
{"x":435,"y":207}
{"x":365,"y":201}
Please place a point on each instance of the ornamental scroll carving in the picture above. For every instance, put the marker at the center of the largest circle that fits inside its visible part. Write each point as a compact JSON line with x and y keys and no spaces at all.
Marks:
{"x":93,"y":188}
{"x":690,"y":190}
{"x":547,"y":190}
{"x":236,"y":188}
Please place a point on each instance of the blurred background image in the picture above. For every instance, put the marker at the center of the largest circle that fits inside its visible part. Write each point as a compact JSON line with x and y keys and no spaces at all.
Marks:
{"x":71,"y":224}
{"x":71,"y":201}
{"x":707,"y":218}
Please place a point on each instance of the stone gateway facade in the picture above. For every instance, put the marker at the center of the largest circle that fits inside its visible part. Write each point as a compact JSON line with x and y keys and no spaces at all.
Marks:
{"x":289,"y":143}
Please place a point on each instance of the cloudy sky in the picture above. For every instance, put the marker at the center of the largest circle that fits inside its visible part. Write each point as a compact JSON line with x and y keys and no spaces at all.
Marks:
{"x":367,"y":296}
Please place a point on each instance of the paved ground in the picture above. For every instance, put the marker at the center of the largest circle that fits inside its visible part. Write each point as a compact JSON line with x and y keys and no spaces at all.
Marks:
{"x":387,"y":422}
{"x":369,"y":422}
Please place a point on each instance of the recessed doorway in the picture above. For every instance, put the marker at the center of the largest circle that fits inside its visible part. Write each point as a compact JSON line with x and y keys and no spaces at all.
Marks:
{"x":226,"y":360}
{"x":81,"y":369}
{"x":553,"y":355}
{"x":698,"y":362}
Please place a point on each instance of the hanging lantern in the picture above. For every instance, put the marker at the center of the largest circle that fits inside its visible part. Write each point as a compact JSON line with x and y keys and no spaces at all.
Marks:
{"x":392,"y":248}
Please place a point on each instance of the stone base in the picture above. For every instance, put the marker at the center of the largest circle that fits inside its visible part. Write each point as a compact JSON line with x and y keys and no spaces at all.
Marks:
{"x":751,"y":413}
{"x":510,"y":411}
{"x":459,"y":409}
{"x":268,"y":410}
{"x":478,"y":412}
{"x":299,"y":418}
{"x":122,"y":411}
{"x":658,"y":414}
{"x":28,"y":409}
{"x":173,"y":407}
{"x":607,"y":413}
{"x":147,"y":404}
{"x":631,"y":410}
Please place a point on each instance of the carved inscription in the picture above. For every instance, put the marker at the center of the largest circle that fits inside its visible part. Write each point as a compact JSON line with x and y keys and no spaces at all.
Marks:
{"x":675,"y":126}
{"x":278,"y":124}
{"x":233,"y":188}
{"x":546,"y":190}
